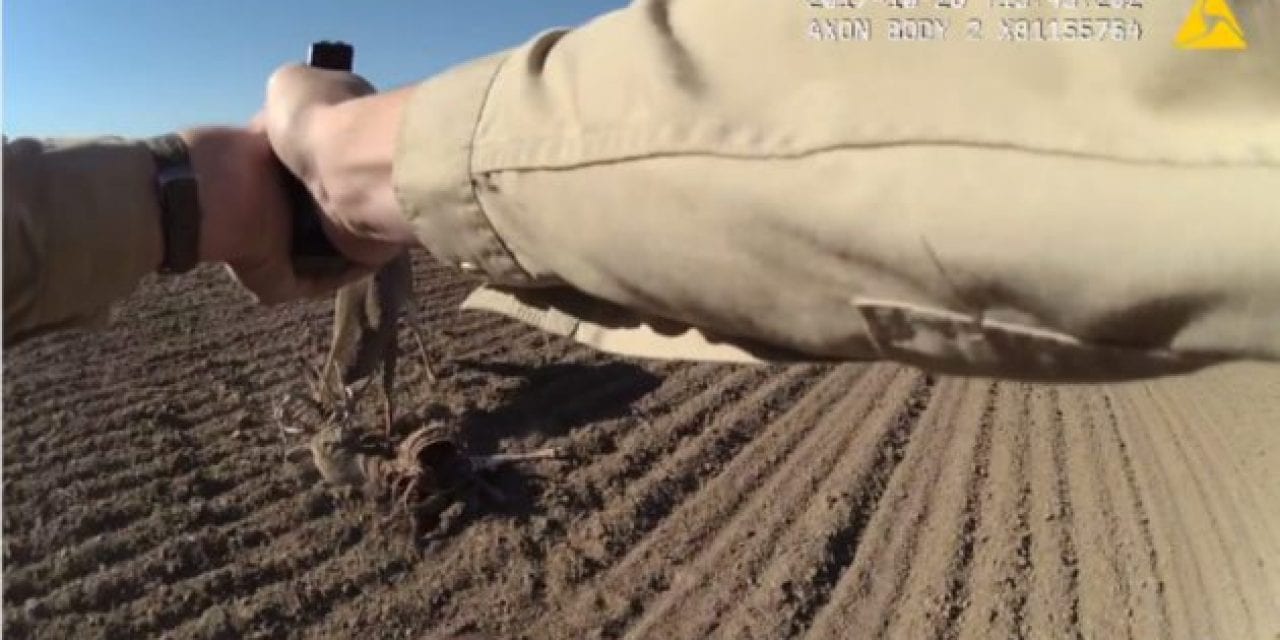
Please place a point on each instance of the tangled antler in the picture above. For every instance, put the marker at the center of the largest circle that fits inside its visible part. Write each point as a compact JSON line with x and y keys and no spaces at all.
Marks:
{"x":430,"y":471}
{"x":422,"y":476}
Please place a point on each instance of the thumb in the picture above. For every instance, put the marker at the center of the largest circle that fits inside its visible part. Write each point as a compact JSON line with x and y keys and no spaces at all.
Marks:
{"x":295,"y":93}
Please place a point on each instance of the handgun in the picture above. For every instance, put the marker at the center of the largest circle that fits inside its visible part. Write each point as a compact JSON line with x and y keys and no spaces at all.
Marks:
{"x":311,"y":251}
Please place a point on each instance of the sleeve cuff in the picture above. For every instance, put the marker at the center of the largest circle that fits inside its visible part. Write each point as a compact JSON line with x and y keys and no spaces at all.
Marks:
{"x":432,"y":176}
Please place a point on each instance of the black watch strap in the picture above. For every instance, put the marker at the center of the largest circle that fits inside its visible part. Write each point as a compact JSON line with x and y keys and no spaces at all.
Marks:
{"x":179,"y":198}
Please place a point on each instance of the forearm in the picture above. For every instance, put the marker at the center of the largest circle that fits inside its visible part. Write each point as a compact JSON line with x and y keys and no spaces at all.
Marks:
{"x":81,"y":227}
{"x":82,"y":220}
{"x":821,"y":203}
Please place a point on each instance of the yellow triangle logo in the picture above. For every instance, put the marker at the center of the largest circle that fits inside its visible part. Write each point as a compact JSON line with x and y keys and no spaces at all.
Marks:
{"x":1211,"y":25}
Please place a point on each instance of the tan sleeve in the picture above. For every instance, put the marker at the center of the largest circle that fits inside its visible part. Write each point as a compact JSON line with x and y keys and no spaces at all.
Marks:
{"x":1054,"y":210}
{"x":81,"y":227}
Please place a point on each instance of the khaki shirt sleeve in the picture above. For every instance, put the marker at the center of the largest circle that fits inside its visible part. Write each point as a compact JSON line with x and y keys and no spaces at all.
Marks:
{"x":81,"y":228}
{"x":1046,"y":210}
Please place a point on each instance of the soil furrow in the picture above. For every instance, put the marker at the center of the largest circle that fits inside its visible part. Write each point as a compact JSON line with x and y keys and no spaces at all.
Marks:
{"x":1001,"y":559}
{"x":1236,"y":504}
{"x":654,"y":437}
{"x":840,"y":547}
{"x":139,"y":557}
{"x":1020,"y":590}
{"x":1106,"y":608}
{"x":279,"y":607}
{"x":1063,"y":493}
{"x":1166,"y":506}
{"x":1212,"y":519}
{"x":816,"y":431}
{"x":1054,"y":604}
{"x":166,"y":401}
{"x":507,"y":336}
{"x":123,"y":509}
{"x":701,"y":455}
{"x":1152,"y":617}
{"x":948,"y":547}
{"x":797,"y":577}
{"x":183,"y":363}
{"x":869,"y":591}
{"x":279,"y":562}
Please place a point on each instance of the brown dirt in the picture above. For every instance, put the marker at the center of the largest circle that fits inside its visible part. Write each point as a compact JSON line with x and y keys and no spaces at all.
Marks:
{"x":143,"y":493}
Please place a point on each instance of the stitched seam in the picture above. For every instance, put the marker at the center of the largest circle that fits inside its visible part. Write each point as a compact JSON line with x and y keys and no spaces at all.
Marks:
{"x":502,"y":152}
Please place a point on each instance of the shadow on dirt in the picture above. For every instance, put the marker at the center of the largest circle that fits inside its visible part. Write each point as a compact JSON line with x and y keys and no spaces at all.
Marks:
{"x":555,"y":399}
{"x":552,"y":401}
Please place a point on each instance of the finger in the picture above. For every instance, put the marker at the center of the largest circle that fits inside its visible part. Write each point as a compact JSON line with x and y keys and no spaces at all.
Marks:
{"x":277,"y":283}
{"x":263,"y":289}
{"x":295,"y":94}
{"x":316,"y":287}
{"x":363,"y":250}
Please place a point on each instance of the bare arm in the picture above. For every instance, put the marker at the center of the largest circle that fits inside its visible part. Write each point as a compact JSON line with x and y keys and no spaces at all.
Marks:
{"x":82,"y":225}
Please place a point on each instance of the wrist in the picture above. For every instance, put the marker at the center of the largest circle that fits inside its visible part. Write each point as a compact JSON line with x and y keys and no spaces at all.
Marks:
{"x":224,"y":160}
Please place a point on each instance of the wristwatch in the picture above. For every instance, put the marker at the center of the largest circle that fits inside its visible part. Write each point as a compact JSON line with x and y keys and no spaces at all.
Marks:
{"x":177,"y":193}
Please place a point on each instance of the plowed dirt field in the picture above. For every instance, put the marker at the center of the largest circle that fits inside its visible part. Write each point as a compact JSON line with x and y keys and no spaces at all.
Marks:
{"x":144,"y":493}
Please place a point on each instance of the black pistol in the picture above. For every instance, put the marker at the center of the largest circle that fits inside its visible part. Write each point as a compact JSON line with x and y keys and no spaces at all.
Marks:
{"x":312,"y":253}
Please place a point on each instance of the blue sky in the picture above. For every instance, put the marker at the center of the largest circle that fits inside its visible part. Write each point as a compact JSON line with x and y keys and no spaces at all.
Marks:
{"x":140,"y":67}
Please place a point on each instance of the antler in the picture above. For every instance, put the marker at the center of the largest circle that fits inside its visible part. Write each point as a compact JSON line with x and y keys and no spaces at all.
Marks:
{"x":286,"y":409}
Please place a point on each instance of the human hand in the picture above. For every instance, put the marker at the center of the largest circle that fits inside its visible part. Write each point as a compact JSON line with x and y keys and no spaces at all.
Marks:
{"x":338,"y":137}
{"x":247,"y":221}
